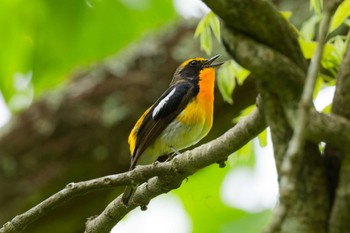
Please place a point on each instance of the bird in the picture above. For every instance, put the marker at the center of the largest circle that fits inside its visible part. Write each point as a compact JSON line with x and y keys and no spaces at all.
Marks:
{"x":180,"y":118}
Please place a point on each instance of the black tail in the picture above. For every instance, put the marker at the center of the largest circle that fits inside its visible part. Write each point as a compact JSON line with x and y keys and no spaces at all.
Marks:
{"x":127,"y":195}
{"x":129,"y":190}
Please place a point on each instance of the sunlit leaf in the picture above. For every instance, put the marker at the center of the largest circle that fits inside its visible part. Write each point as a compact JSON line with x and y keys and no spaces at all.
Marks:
{"x":307,"y":47}
{"x":206,"y":40}
{"x":333,"y":54}
{"x":317,"y":6}
{"x":214,"y":23}
{"x":199,"y":28}
{"x":240,"y":73}
{"x":340,"y":15}
{"x":226,"y":81}
{"x":210,"y":23}
{"x":307,"y":31}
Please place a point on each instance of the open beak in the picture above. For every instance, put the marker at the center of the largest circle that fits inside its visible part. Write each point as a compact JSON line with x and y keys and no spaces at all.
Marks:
{"x":209,"y":62}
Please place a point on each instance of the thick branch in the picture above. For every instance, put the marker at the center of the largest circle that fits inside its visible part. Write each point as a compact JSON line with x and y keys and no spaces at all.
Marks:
{"x":297,"y":142}
{"x":280,"y":79}
{"x":294,"y":155}
{"x":276,"y":71}
{"x":332,"y":129}
{"x":177,"y":169}
{"x":341,"y":211}
{"x":342,"y":94}
{"x":251,"y":17}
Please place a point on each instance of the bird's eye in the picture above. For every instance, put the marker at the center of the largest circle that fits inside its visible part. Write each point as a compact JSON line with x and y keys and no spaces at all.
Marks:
{"x":193,"y":63}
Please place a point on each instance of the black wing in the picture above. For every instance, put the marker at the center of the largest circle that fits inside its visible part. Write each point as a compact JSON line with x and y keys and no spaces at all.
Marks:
{"x":166,"y":108}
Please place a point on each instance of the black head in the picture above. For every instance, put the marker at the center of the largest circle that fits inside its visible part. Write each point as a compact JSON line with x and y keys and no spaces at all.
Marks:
{"x":191,"y":68}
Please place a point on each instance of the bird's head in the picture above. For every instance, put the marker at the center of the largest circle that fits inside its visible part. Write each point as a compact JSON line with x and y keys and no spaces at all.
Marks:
{"x":191,"y":68}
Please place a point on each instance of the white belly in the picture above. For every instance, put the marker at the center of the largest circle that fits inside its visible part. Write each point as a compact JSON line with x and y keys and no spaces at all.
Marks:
{"x":177,"y":135}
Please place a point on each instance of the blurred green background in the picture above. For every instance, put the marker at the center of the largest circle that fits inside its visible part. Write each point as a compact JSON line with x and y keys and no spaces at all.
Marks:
{"x":44,"y":42}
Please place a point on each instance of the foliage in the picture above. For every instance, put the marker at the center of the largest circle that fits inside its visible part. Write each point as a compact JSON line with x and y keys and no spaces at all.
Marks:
{"x":228,"y":74}
{"x":209,"y":24}
{"x":44,"y":41}
{"x":340,"y":15}
{"x":231,"y":72}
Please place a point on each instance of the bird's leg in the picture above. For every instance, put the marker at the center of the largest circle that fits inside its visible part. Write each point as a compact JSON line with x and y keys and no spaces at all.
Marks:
{"x":171,"y":156}
{"x":174,"y":150}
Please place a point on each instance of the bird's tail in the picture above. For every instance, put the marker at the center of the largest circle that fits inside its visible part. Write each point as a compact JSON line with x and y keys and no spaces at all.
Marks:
{"x":128,"y":193}
{"x":130,"y":189}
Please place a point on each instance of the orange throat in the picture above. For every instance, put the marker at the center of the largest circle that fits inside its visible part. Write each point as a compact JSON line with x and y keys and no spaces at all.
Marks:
{"x":206,"y":87}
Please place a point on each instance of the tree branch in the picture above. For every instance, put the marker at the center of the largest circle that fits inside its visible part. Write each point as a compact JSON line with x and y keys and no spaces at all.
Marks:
{"x":280,"y":79}
{"x":331,"y":129}
{"x":179,"y":168}
{"x":290,"y":165}
{"x":268,"y":66}
{"x":305,"y":105}
{"x":338,"y":159}
{"x":251,"y":17}
{"x":170,"y":176}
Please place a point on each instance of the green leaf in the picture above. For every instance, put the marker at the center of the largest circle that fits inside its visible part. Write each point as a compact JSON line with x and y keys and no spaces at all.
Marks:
{"x":226,"y":81}
{"x":200,"y":28}
{"x":317,"y":6}
{"x":206,"y":40}
{"x":333,"y":54}
{"x":210,"y":23}
{"x":340,"y":15}
{"x":240,"y":73}
{"x":307,"y":47}
{"x":214,"y":23}
{"x":307,"y":31}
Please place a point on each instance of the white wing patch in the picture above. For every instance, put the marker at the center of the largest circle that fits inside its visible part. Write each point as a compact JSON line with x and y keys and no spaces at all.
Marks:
{"x":162,"y":103}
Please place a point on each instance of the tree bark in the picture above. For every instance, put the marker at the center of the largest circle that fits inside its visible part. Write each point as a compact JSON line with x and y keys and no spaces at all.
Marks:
{"x":273,"y":56}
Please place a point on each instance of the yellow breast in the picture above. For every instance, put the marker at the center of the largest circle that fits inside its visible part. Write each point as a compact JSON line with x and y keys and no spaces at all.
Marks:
{"x":200,"y":110}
